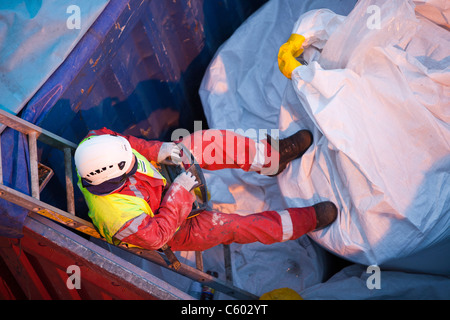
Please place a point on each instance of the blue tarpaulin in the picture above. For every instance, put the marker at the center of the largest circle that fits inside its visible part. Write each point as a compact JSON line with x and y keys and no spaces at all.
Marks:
{"x":35,"y":38}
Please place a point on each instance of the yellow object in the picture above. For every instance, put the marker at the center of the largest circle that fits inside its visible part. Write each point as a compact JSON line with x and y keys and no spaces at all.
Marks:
{"x":288,"y":52}
{"x":281,"y":294}
{"x":198,"y":193}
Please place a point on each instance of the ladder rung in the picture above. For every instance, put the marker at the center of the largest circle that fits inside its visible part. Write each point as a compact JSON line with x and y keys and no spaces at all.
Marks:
{"x":69,"y":184}
{"x":42,"y":135}
{"x":34,"y":173}
{"x":88,"y":228}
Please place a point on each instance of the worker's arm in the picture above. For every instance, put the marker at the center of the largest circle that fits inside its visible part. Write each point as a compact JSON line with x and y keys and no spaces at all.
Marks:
{"x":148,"y":148}
{"x":153,"y":232}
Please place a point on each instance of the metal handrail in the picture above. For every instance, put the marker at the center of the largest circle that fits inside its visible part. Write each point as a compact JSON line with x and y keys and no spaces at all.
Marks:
{"x":32,"y":203}
{"x":35,"y":133}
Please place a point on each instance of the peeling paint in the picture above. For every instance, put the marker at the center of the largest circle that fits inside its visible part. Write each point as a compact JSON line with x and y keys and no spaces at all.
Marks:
{"x":216,"y":219}
{"x":92,"y":63}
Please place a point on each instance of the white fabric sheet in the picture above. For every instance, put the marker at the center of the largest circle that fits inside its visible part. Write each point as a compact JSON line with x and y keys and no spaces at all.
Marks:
{"x":377,"y":102}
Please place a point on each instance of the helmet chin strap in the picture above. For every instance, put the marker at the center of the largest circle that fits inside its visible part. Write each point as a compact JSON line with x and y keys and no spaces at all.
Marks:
{"x":110,"y":185}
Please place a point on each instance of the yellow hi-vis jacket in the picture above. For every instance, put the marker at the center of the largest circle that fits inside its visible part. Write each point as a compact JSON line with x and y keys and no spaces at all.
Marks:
{"x":110,"y":212}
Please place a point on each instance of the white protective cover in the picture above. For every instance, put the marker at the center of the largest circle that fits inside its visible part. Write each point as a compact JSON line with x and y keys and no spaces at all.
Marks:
{"x":379,"y":96}
{"x":375,"y":95}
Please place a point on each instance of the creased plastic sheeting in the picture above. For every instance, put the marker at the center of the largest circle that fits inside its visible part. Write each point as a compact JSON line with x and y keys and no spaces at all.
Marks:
{"x":243,"y":88}
{"x":380,"y":97}
{"x":34,"y":40}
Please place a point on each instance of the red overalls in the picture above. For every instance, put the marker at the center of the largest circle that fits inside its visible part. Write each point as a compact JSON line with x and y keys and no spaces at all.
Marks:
{"x":209,"y":228}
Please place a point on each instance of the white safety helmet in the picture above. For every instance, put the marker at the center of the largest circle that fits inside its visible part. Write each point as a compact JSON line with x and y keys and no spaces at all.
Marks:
{"x":101,"y":158}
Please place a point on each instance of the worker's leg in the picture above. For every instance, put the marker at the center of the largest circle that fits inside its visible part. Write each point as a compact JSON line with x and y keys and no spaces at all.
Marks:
{"x":224,"y":149}
{"x":213,"y":228}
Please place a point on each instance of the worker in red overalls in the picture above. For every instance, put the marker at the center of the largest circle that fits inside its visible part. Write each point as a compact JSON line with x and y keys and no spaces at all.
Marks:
{"x":125,"y":192}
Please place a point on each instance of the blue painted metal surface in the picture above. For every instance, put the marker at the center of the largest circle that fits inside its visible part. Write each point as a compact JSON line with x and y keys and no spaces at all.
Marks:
{"x":136,"y":71}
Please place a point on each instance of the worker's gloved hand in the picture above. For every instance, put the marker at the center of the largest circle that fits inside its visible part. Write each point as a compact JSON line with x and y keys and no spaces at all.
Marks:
{"x":169,"y":153}
{"x":288,"y":52}
{"x":187,"y":180}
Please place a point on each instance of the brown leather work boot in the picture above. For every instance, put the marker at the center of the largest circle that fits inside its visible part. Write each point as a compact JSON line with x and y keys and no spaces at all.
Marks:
{"x":290,"y":148}
{"x":326,"y":213}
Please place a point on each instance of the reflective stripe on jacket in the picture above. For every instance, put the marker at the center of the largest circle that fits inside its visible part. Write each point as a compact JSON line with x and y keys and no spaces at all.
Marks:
{"x":110,"y":212}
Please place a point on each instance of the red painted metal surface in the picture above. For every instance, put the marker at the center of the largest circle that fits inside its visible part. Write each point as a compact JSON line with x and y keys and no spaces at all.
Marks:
{"x":37,"y":270}
{"x":35,"y":267}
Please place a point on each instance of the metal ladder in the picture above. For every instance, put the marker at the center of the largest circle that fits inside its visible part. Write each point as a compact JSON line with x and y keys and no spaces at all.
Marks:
{"x":69,"y":219}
